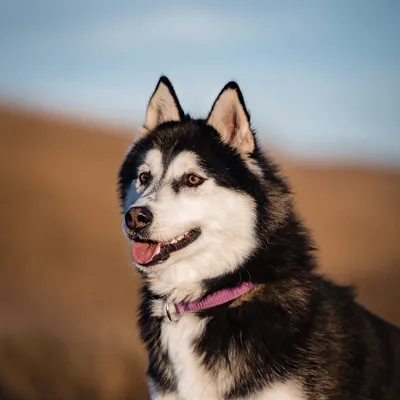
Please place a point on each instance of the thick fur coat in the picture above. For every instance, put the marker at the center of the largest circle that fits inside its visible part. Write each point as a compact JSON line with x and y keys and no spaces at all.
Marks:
{"x":205,"y":210}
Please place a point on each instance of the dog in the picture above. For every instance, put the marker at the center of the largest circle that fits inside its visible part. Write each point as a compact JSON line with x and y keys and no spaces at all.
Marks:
{"x":232,"y":306}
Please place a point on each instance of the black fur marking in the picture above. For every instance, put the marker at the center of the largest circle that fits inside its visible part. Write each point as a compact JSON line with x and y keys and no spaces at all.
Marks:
{"x":218,"y":159}
{"x":176,"y":185}
{"x":295,"y":323}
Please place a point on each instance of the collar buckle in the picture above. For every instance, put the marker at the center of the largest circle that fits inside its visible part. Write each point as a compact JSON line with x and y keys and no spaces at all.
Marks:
{"x":170,"y":312}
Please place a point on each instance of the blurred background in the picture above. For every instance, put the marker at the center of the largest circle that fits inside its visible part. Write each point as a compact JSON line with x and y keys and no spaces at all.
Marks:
{"x":322,"y":83}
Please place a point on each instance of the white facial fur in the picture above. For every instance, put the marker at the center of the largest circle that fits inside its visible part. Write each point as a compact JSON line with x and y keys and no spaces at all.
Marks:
{"x":226,"y":219}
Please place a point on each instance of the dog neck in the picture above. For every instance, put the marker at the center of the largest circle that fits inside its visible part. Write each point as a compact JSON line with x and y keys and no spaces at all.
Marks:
{"x":173,"y":311}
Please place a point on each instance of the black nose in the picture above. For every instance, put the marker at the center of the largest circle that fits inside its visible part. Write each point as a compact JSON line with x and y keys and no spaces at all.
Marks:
{"x":138,"y":217}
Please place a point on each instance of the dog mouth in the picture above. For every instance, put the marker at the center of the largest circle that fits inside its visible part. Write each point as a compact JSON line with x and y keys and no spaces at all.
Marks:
{"x":149,"y":252}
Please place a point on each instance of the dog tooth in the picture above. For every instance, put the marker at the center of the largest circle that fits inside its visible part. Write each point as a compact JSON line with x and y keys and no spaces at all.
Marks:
{"x":180,"y":237}
{"x":173,"y":241}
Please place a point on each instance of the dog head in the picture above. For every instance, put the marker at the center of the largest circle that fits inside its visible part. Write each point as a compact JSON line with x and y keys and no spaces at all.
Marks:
{"x":198,"y":196}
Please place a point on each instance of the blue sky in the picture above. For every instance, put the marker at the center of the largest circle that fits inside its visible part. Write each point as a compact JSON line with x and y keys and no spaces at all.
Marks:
{"x":319,"y":77}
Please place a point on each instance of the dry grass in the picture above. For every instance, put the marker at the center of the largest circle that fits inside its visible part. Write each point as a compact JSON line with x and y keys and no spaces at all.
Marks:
{"x":67,"y":296}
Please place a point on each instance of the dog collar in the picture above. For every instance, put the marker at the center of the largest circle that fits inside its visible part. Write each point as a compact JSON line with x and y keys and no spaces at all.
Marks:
{"x":174,"y":311}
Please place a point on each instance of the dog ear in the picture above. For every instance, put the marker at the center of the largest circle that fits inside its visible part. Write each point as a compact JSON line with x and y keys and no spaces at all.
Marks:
{"x":229,"y":117}
{"x":163,"y":106}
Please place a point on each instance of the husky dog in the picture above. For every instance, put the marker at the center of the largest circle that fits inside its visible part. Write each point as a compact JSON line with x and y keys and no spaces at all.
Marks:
{"x":232,"y":307}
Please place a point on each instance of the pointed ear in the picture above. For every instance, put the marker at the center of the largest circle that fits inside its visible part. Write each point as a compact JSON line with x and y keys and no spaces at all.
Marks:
{"x":163,"y":106}
{"x":229,"y":117}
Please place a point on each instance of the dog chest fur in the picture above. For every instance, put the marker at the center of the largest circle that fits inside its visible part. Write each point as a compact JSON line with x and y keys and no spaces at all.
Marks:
{"x":194,"y":382}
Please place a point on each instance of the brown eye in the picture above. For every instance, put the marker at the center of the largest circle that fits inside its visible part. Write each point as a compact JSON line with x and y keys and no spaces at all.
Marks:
{"x":193,"y":180}
{"x":144,"y":178}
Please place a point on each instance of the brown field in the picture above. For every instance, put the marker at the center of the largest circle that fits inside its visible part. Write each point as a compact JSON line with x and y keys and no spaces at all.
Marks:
{"x":68,"y":298}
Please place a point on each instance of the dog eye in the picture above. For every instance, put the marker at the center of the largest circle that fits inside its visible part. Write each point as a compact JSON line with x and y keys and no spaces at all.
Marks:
{"x":193,"y":180}
{"x":144,"y":178}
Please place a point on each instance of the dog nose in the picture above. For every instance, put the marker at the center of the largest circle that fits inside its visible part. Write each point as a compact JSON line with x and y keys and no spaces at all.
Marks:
{"x":138,"y":217}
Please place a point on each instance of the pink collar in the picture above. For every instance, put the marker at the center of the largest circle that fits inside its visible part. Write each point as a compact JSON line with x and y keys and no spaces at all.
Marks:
{"x":212,"y":300}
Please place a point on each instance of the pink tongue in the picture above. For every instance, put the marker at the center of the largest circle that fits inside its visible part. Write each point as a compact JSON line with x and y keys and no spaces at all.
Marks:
{"x":143,"y":253}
